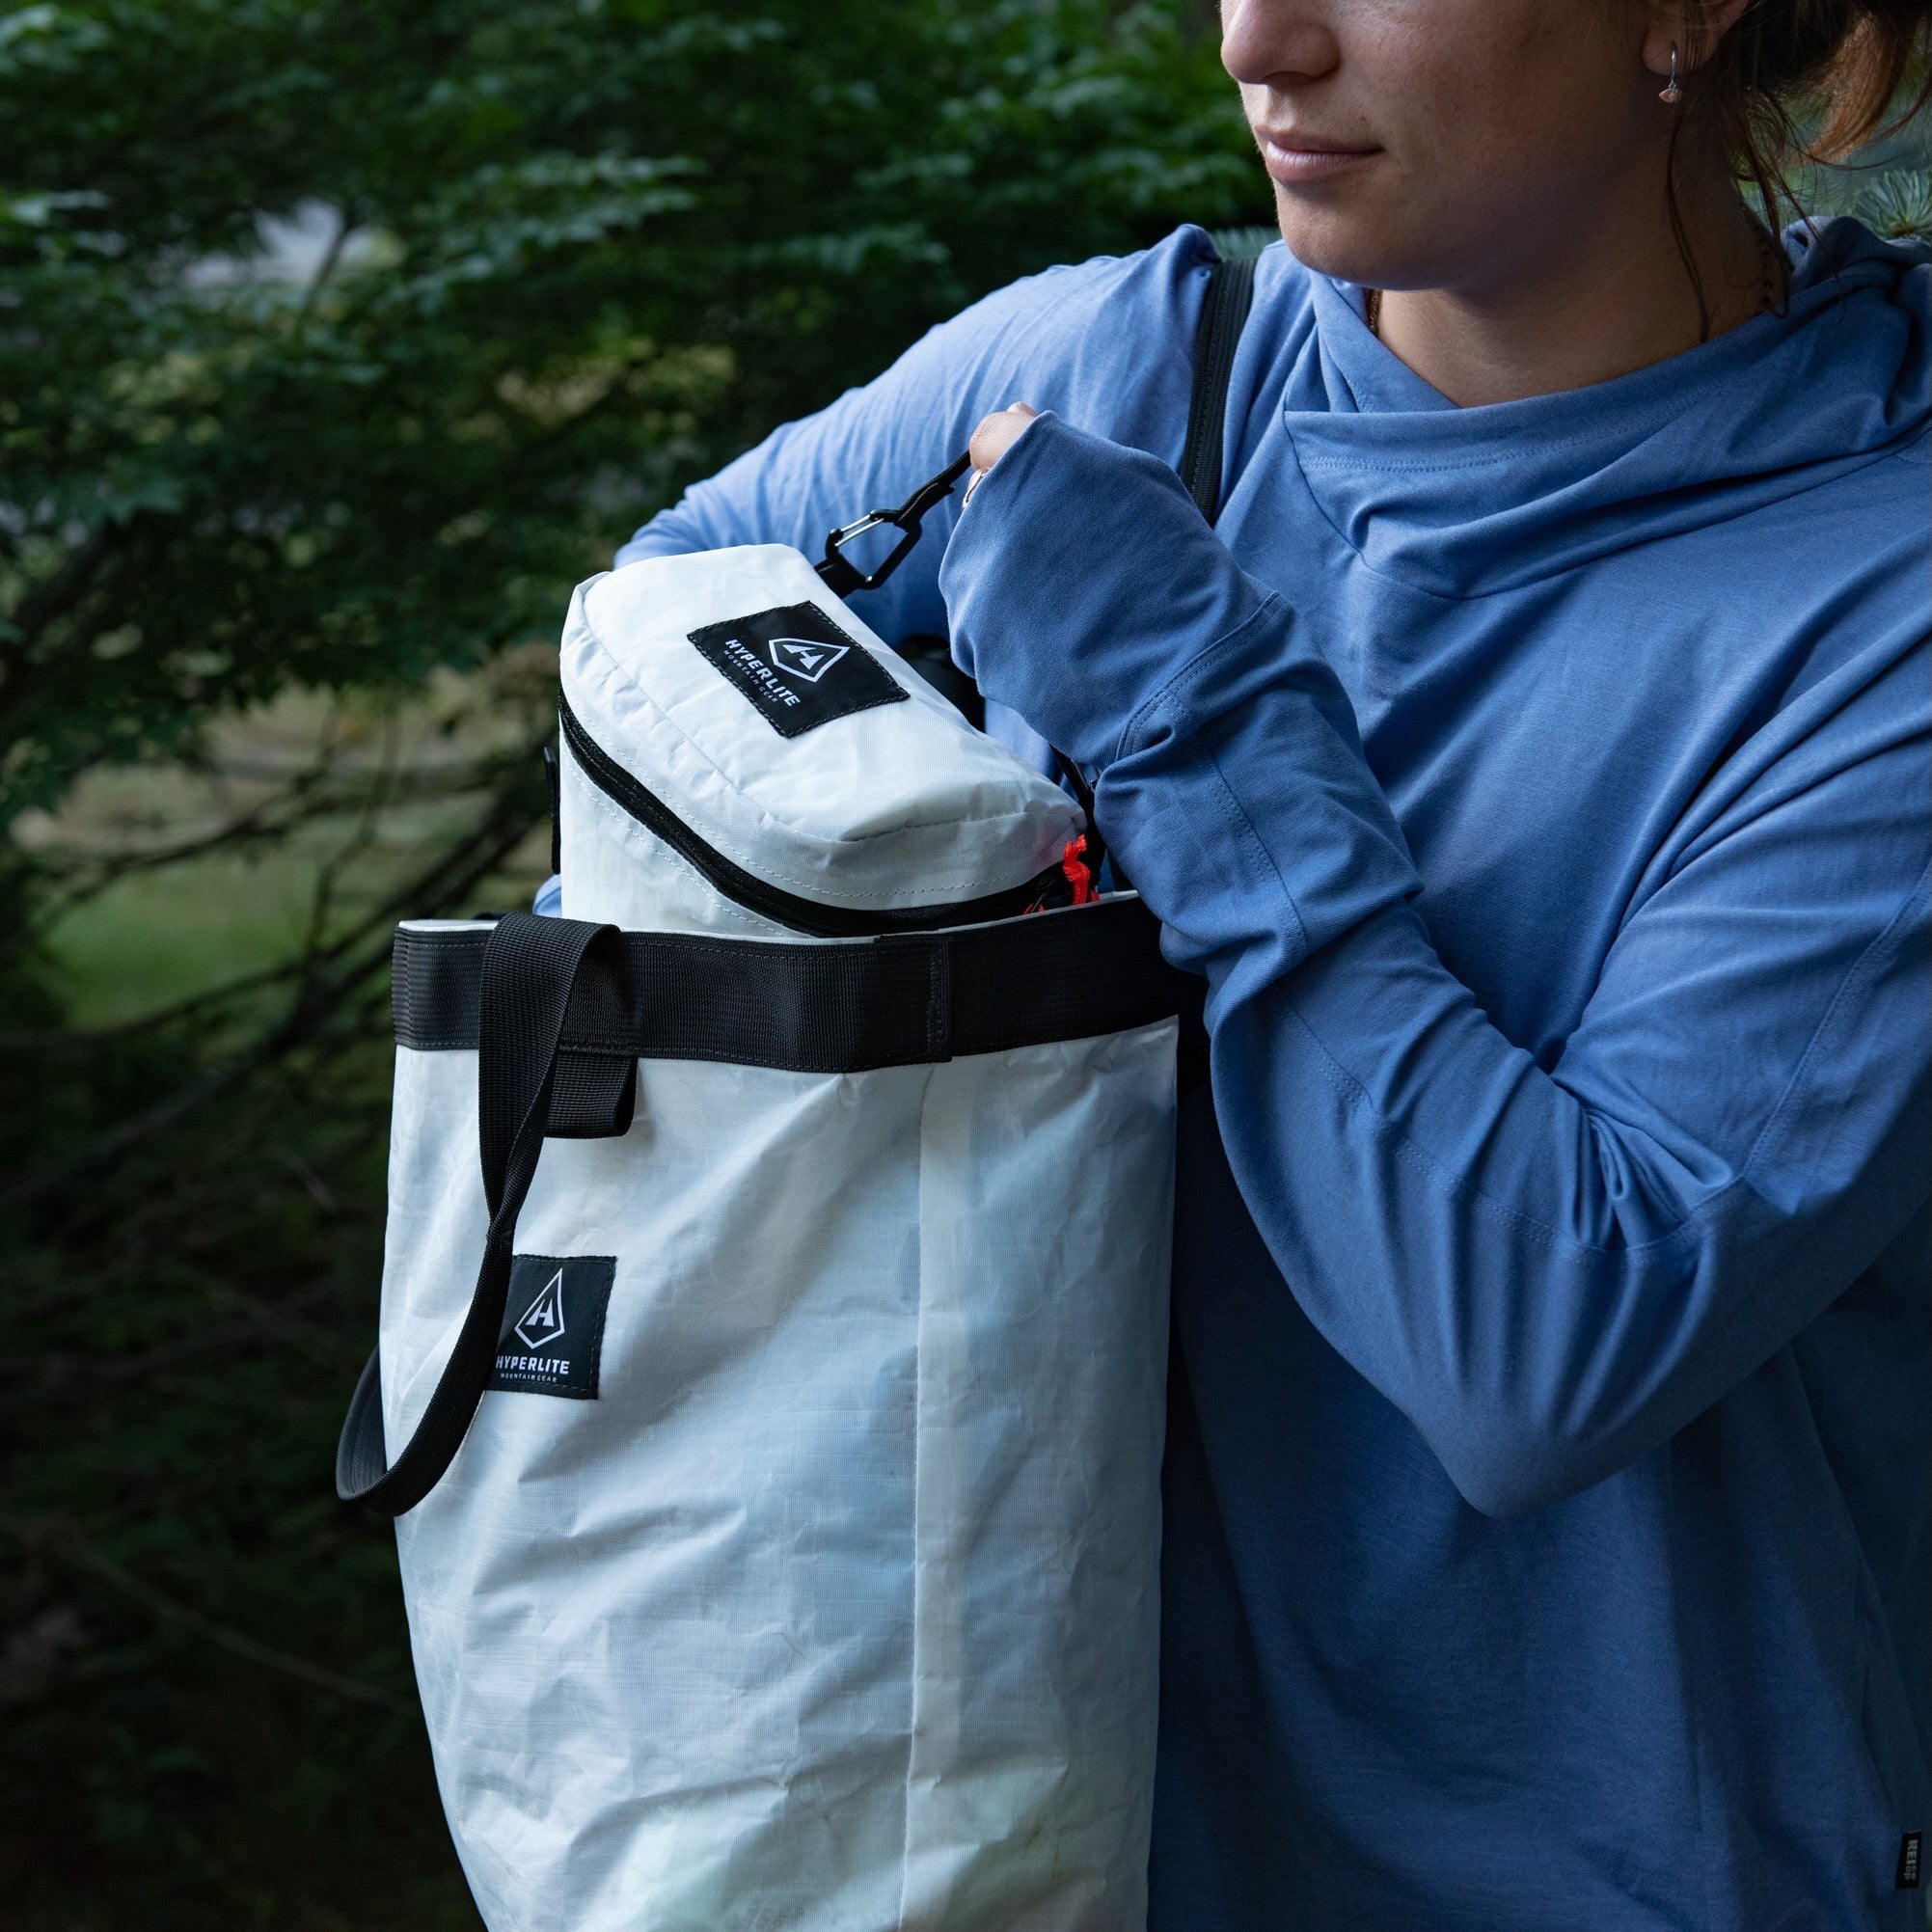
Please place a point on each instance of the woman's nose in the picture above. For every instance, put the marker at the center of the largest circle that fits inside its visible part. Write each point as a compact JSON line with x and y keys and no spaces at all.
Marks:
{"x":1272,"y":42}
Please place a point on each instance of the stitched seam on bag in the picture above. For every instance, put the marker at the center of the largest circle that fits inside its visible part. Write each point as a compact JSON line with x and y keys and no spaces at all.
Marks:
{"x":914,"y":1567}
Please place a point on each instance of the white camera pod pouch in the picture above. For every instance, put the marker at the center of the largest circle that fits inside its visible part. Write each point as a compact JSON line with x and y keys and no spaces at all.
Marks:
{"x":732,"y":693}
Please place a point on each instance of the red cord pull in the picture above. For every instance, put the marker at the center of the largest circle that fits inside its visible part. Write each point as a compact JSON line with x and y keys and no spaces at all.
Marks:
{"x":1077,"y":872}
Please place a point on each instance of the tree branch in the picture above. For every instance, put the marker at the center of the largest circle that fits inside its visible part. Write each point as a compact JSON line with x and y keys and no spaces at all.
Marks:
{"x":319,"y":993}
{"x":65,"y":1542}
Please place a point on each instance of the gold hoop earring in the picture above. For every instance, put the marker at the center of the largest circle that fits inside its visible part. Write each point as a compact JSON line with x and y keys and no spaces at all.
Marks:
{"x":1673,"y":94}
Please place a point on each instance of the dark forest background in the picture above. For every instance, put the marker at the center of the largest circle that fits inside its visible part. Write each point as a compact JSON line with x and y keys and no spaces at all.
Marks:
{"x":337,"y":339}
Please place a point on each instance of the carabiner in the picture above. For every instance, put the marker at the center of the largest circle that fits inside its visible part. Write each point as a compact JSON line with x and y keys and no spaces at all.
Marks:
{"x":842,"y":578}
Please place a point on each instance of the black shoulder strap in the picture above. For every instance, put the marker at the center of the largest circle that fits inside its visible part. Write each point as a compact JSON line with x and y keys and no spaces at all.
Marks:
{"x":1224,"y":311}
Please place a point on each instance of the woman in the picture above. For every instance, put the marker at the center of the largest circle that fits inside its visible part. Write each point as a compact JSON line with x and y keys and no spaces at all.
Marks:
{"x":1533,"y":760}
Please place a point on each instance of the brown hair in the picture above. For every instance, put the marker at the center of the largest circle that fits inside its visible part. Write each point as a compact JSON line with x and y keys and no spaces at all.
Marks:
{"x":1850,"y":58}
{"x":1787,"y":58}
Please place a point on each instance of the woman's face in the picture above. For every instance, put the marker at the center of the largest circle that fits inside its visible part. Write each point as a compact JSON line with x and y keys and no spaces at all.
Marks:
{"x":1446,"y":144}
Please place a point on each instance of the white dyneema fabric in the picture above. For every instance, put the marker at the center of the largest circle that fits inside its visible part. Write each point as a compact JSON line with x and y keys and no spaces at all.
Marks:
{"x":897,"y":807}
{"x":838,"y":1607}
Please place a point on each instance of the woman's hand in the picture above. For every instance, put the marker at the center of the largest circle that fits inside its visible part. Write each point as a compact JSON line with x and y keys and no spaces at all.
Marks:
{"x":995,"y":435}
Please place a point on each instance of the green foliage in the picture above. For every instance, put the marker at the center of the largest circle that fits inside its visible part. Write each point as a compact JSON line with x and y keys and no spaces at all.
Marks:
{"x":1898,"y":204}
{"x":337,"y":339}
{"x":577,"y":252}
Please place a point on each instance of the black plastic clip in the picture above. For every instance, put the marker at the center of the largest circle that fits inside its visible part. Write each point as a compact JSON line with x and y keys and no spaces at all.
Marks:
{"x":841,"y":578}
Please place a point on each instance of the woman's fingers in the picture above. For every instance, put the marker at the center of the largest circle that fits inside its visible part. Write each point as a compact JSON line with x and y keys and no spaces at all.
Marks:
{"x":997,"y":433}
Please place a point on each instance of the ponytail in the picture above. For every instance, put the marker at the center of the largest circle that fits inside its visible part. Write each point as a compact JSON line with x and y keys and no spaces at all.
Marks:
{"x":1786,"y":57}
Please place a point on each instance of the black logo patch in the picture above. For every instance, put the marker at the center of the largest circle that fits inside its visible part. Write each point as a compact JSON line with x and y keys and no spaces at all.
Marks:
{"x":553,"y":1335}
{"x":796,"y":666}
{"x":1909,"y":1849}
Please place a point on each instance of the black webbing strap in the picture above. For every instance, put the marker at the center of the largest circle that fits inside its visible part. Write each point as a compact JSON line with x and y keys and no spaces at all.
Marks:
{"x":842,"y":1006}
{"x":527,"y":1084}
{"x":1224,"y":312}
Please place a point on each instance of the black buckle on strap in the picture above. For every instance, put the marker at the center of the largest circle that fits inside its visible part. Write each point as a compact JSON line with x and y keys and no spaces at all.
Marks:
{"x":841,"y":576}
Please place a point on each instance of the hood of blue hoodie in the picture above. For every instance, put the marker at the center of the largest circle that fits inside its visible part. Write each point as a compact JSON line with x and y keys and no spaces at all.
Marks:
{"x":1837,"y":379}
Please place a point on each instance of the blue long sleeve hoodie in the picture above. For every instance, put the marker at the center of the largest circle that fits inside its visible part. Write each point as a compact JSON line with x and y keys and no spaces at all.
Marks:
{"x":1542,"y":790}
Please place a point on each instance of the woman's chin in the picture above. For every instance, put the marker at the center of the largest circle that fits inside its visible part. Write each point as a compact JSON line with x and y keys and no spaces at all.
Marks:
{"x":1351,"y":244}
{"x":1327,"y":245}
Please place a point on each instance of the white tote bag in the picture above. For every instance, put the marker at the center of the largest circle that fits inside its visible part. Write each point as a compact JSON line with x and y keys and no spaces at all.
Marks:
{"x":797,"y":1566}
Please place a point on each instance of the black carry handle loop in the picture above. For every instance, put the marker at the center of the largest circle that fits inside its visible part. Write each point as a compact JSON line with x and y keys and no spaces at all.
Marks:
{"x":841,"y":578}
{"x":527,"y":1086}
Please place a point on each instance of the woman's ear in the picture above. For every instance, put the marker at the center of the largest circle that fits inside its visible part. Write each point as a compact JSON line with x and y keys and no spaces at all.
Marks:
{"x":1691,"y":32}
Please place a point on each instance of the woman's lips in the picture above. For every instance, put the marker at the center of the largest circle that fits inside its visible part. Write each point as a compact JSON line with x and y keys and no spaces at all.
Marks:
{"x":1297,"y":159}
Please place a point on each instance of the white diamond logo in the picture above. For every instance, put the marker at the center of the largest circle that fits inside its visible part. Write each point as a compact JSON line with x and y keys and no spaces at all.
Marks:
{"x":803,"y":658}
{"x":543,"y":1320}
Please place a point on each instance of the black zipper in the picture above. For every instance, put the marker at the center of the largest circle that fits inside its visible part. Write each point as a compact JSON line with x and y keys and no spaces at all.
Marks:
{"x":747,"y":889}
